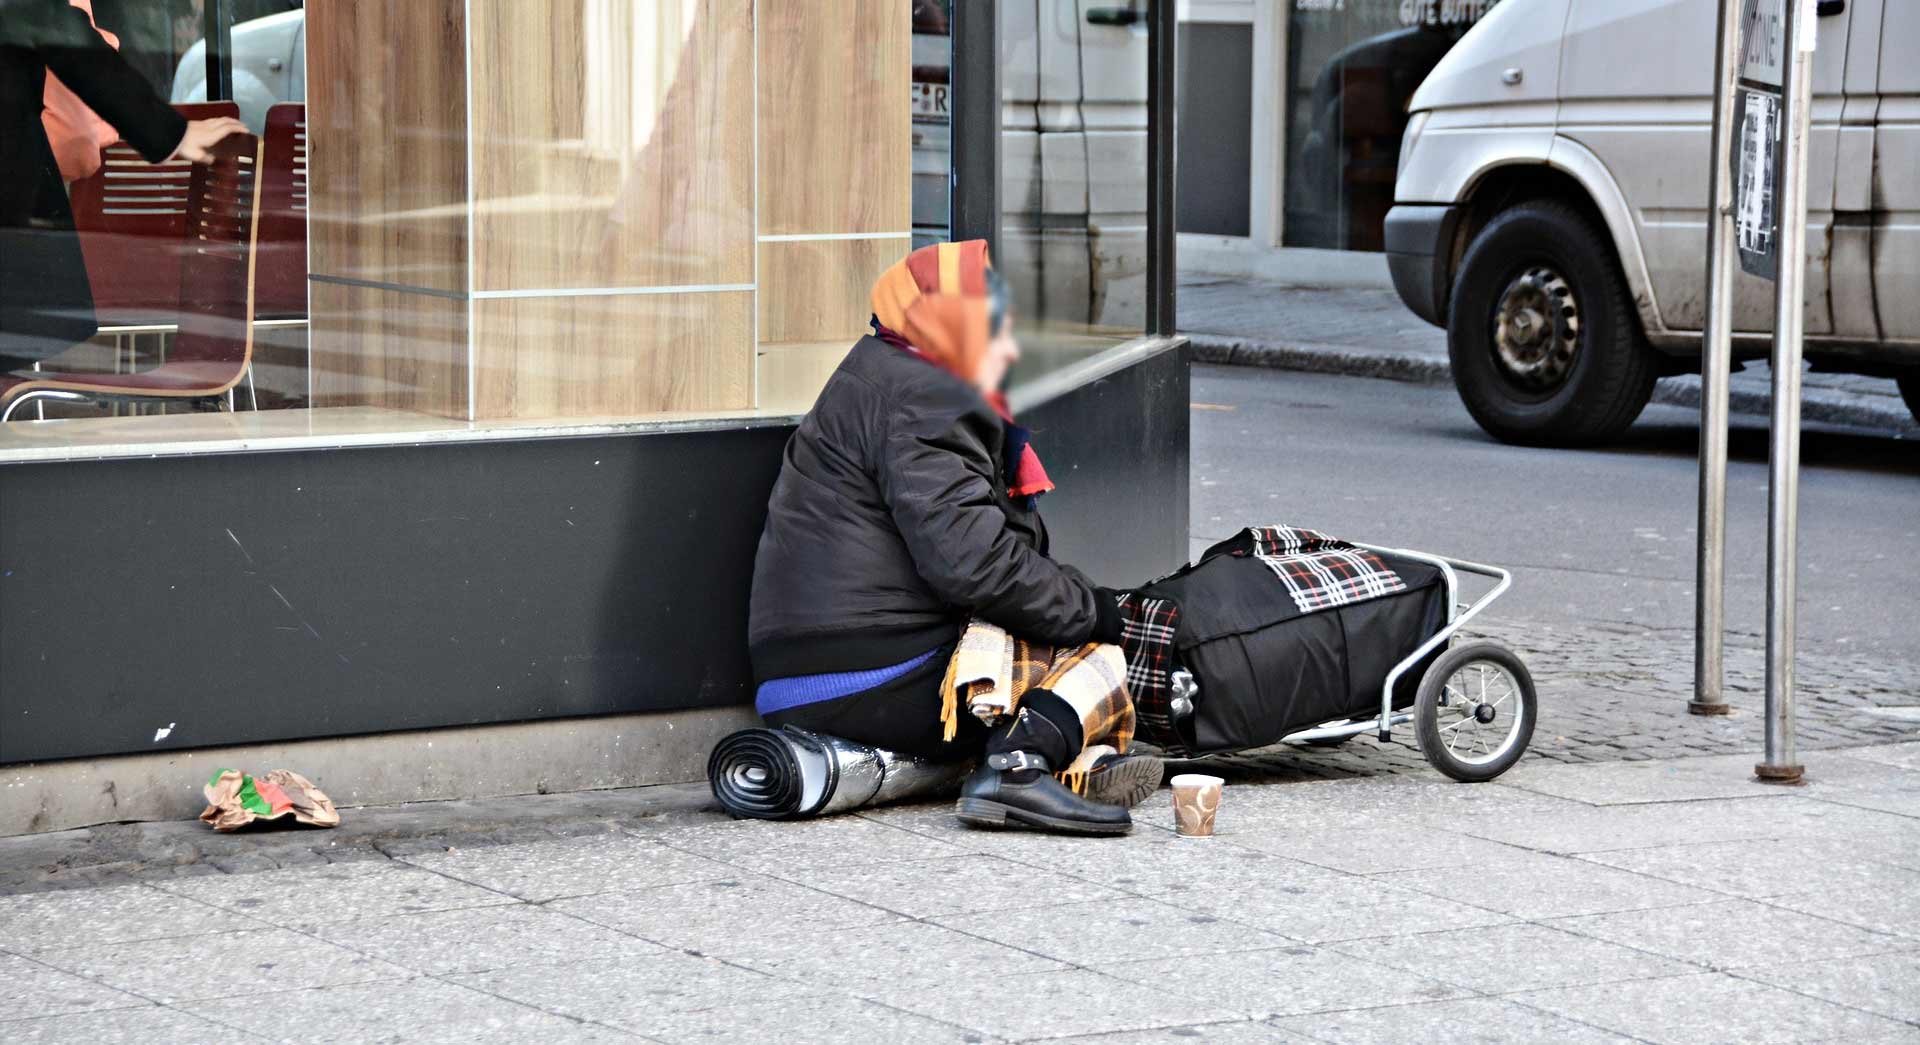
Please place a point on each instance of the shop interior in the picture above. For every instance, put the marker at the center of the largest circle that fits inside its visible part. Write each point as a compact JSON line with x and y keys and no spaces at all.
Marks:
{"x":459,"y":218}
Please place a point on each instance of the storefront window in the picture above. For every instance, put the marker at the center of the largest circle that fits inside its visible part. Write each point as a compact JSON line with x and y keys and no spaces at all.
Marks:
{"x":479,"y":216}
{"x":932,"y":121}
{"x":1352,"y":67}
{"x":1073,"y":241}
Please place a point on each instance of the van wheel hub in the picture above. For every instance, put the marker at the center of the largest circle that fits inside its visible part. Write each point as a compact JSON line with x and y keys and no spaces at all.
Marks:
{"x":1537,"y":329}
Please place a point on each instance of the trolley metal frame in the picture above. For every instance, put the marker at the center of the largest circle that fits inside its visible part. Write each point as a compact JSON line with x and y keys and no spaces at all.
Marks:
{"x":1457,"y":617}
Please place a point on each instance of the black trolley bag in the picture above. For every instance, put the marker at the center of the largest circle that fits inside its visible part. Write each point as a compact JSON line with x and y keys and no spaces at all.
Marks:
{"x":1267,"y":665}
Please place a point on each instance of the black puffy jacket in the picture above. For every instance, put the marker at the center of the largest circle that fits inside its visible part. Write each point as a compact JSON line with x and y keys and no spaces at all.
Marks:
{"x":890,"y":525}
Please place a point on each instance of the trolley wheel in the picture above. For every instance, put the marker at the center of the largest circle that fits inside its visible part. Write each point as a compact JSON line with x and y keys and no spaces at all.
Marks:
{"x":1475,"y":711}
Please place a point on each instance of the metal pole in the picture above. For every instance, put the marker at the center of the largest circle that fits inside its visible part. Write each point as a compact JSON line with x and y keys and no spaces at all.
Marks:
{"x":1783,"y":457}
{"x":975,"y":123}
{"x":1716,"y":365}
{"x":1162,"y":81}
{"x":216,"y":23}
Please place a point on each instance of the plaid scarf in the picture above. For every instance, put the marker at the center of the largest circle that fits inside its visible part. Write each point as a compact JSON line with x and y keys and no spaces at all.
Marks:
{"x":991,"y":670}
{"x":1319,"y":571}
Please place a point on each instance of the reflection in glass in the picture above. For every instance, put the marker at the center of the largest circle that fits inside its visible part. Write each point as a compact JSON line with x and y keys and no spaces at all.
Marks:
{"x":1353,"y":66}
{"x":932,"y":122}
{"x":507,"y":213}
{"x":1073,"y":241}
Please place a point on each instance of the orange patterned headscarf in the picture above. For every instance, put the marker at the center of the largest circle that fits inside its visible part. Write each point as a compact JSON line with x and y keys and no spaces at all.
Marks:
{"x":935,"y":303}
{"x":936,"y":300}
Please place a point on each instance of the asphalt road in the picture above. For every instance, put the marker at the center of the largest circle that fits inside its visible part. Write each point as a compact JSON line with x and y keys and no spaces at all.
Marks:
{"x":1594,"y":535}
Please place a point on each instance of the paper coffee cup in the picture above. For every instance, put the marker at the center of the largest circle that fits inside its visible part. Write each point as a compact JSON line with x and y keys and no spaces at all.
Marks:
{"x":1196,"y":798}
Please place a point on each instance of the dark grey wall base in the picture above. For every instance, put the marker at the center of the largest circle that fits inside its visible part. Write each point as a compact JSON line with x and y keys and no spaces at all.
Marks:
{"x":1118,"y":450}
{"x":174,"y":603}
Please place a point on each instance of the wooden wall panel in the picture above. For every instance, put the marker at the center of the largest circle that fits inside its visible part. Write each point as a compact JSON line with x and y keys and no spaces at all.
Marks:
{"x":386,"y":348}
{"x":792,"y":374}
{"x":386,"y":119}
{"x":820,"y":290}
{"x":836,"y":113}
{"x":613,"y":143}
{"x":608,"y":356}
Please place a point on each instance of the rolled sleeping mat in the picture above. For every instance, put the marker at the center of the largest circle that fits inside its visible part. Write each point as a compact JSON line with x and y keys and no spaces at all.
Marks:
{"x":792,"y":774}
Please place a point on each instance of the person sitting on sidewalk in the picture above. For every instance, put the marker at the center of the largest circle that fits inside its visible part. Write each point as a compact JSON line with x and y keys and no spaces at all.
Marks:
{"x":905,"y":507}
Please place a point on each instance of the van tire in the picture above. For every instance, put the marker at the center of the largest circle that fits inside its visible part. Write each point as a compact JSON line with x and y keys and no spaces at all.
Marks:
{"x":1598,"y":393}
{"x":1910,"y":391}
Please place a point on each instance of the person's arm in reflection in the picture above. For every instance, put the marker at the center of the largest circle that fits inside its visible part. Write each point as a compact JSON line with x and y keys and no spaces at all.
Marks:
{"x":77,"y":133}
{"x":62,"y":39}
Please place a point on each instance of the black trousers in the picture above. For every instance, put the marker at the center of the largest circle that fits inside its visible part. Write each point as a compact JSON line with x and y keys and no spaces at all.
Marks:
{"x":902,"y":715}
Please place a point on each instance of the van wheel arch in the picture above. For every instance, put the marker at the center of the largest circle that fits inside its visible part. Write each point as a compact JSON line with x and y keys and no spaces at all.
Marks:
{"x":1504,"y":188}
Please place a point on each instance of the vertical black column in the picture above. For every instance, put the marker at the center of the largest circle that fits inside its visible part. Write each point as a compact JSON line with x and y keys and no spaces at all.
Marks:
{"x":976,"y":121}
{"x":217,"y":26}
{"x":1161,"y":78}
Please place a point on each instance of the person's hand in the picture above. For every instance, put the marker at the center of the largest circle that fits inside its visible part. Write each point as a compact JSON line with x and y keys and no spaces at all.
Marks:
{"x":202,"y":135}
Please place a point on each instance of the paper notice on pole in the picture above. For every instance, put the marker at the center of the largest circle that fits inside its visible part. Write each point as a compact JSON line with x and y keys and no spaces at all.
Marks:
{"x":1753,"y":200}
{"x":1763,"y":31}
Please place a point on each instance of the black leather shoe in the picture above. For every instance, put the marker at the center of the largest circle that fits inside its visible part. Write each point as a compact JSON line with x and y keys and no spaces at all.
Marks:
{"x":1015,"y":789}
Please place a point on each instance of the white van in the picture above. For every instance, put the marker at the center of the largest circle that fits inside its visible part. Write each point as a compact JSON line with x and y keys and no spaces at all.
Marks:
{"x":269,"y":67}
{"x":1550,"y":207}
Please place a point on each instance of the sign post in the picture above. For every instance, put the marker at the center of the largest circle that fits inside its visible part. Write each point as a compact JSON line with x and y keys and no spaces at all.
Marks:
{"x":1788,"y":205}
{"x":1757,"y":217}
{"x":1716,"y":366}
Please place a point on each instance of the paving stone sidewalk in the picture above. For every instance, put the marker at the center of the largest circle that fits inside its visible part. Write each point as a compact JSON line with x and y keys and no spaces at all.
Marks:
{"x":1668,"y":900}
{"x":1608,"y":693}
{"x":1369,"y":333}
{"x":1611,"y":692}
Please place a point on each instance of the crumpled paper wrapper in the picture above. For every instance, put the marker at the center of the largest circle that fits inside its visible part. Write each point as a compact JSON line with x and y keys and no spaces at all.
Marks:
{"x":235,"y":799}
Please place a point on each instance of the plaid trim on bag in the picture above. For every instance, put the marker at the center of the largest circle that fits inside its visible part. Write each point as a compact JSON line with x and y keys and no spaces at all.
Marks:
{"x":1319,"y":571}
{"x":1149,"y":626}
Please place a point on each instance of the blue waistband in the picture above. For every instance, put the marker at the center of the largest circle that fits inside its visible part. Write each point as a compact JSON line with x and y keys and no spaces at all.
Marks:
{"x":800,"y":690}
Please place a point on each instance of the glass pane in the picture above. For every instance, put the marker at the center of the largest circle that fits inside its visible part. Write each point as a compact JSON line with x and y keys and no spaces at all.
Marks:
{"x":519,"y":215}
{"x":1352,"y":67}
{"x":1073,"y":241}
{"x":159,"y":37}
{"x":932,"y":121}
{"x":267,"y":52}
{"x":837,"y":185}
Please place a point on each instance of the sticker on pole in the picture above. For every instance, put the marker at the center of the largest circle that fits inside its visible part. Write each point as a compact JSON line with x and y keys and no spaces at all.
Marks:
{"x":1753,"y":198}
{"x":1763,"y":32}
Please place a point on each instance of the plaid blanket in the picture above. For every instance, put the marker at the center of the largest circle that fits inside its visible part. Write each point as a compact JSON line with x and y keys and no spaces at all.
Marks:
{"x":1321,"y":572}
{"x":991,"y":670}
{"x":1147,"y":639}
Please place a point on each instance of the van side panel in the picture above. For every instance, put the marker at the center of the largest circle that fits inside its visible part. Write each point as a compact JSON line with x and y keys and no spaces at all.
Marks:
{"x":1896,"y":175}
{"x":1520,"y":35}
{"x":1652,"y":130}
{"x":1457,"y":149}
{"x":1586,"y":168}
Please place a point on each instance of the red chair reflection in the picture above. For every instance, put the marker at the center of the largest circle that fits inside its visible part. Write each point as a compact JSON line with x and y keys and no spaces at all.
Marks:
{"x":282,"y":285}
{"x":132,"y":217}
{"x":214,"y":347}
